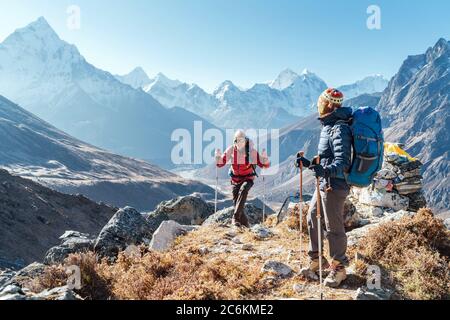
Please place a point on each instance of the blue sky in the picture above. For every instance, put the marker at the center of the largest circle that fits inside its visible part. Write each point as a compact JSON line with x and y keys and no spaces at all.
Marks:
{"x":246,"y":41}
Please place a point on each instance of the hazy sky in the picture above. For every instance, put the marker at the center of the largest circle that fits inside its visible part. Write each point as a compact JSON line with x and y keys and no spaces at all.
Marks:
{"x":246,"y":41}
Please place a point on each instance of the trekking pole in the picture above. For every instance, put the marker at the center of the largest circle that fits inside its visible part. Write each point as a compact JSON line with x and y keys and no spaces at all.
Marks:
{"x":217,"y":184}
{"x":319,"y":227}
{"x":264,"y":199}
{"x":300,"y":206}
{"x":264,"y":188}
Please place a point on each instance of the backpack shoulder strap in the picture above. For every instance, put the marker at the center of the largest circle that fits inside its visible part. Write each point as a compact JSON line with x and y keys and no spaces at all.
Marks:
{"x":341,"y":122}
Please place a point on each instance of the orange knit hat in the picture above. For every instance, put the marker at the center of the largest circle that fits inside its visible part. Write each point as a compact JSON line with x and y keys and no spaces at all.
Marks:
{"x":329,"y":100}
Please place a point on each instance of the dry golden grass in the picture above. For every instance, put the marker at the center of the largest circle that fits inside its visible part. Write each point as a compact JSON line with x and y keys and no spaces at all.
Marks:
{"x":412,"y":250}
{"x":53,"y":276}
{"x":95,"y":285}
{"x":217,"y":262}
{"x":227,"y":270}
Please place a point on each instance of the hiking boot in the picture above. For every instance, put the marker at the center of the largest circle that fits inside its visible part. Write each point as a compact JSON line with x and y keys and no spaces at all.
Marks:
{"x":313,"y":268}
{"x":240,"y":223}
{"x":336,"y":276}
{"x":236,"y":223}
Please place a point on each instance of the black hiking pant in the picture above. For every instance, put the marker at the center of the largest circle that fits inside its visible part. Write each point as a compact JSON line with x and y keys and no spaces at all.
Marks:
{"x":240,"y":194}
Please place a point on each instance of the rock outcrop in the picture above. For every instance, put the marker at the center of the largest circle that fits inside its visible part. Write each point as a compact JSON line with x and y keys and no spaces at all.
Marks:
{"x":277,"y":268}
{"x":270,"y":248}
{"x":71,"y":242}
{"x":167,"y":232}
{"x":126,"y":227}
{"x":188,"y":210}
{"x":254,"y":215}
{"x":15,"y":292}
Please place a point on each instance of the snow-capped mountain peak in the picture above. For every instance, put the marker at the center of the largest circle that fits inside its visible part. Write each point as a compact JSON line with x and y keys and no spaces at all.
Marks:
{"x":137,"y":78}
{"x":38,"y":34}
{"x":306,"y":72}
{"x":50,"y":78}
{"x":33,"y":56}
{"x":370,"y":84}
{"x":161,"y":78}
{"x":285,"y":79}
{"x":224,"y":87}
{"x":41,"y":27}
{"x":161,"y":81}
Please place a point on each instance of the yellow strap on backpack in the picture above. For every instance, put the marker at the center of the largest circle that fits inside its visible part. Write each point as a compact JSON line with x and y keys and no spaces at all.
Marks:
{"x":394,"y":148}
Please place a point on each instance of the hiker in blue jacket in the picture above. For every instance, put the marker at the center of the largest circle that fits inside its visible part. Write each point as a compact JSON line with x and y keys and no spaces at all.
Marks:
{"x":335,"y":147}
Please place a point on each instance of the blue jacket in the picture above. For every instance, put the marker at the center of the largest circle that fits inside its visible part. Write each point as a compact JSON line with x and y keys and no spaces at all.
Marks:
{"x":335,"y":147}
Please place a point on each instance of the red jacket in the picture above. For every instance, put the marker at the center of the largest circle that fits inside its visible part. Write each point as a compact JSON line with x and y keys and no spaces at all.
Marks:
{"x":241,"y":168}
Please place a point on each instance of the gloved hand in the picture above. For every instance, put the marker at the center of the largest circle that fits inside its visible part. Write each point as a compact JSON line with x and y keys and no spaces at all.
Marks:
{"x":319,"y":171}
{"x":218,"y":156}
{"x":300,"y":159}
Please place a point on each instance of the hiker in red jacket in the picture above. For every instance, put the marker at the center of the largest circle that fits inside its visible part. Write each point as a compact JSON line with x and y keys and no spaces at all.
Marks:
{"x":243,"y":158}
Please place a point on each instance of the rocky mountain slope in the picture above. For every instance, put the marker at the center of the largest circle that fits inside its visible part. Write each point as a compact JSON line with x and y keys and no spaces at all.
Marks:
{"x":33,"y":217}
{"x":34,"y":149}
{"x":50,"y":78}
{"x":416,"y":110}
{"x":209,"y":259}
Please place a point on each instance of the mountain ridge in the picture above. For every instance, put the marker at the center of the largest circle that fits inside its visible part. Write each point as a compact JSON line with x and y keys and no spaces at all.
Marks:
{"x":278,"y":103}
{"x":35,"y":149}
{"x":50,"y":78}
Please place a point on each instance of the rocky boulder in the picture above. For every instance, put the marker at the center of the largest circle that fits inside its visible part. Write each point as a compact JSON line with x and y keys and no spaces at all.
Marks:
{"x":12,"y":292}
{"x":447,"y":223}
{"x":373,"y":294}
{"x":277,"y":268}
{"x":188,"y":210}
{"x":15,"y":292}
{"x":261,"y":233}
{"x":29,"y":272}
{"x":126,"y":227}
{"x":10,"y":277}
{"x":59,"y":293}
{"x":351,"y":216}
{"x":71,"y":242}
{"x":167,"y":232}
{"x":254,"y":215}
{"x":356,"y":235}
{"x":5,"y":278}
